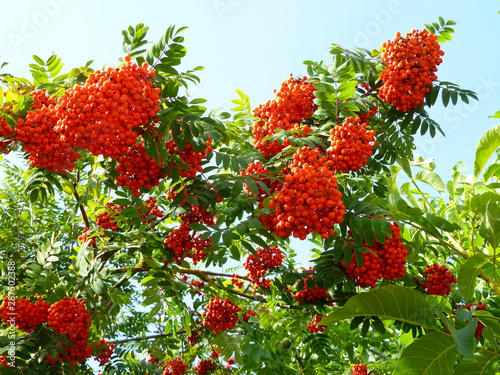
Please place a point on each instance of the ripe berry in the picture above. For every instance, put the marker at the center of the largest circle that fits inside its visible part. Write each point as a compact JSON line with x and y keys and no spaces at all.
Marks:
{"x":385,"y":260}
{"x":359,"y":369}
{"x":70,"y":317}
{"x":104,"y":351}
{"x":480,"y":326}
{"x":257,"y":266}
{"x":100,"y":115}
{"x":175,"y":366}
{"x":314,"y":326}
{"x":205,"y":366}
{"x":221,"y":314}
{"x":28,"y":315}
{"x":352,"y":144}
{"x":439,"y":279}
{"x":411,"y":62}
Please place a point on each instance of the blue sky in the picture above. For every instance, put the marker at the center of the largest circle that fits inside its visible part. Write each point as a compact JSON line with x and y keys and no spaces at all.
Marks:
{"x":254,"y":45}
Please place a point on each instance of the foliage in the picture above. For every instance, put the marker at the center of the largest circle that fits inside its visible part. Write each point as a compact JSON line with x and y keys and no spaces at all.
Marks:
{"x":217,"y":194}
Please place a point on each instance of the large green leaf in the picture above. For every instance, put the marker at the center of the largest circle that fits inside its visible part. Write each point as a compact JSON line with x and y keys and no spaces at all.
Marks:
{"x":392,"y":302}
{"x":432,"y":354}
{"x":467,"y":276}
{"x":486,"y":146}
{"x":490,"y":227}
{"x":432,"y":179}
{"x":484,"y":363}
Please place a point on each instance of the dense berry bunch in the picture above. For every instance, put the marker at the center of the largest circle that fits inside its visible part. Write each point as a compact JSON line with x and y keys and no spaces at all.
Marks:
{"x":7,"y":136}
{"x":151,"y":210}
{"x":236,"y":281}
{"x":100,"y":115}
{"x":248,"y":315}
{"x":28,"y":315}
{"x":261,"y":174}
{"x":411,"y":61}
{"x":205,"y":366}
{"x":352,"y":144}
{"x":85,"y":236}
{"x":189,"y":156}
{"x":309,"y":200}
{"x":175,"y":366}
{"x":77,"y":353}
{"x":107,"y":219}
{"x":310,"y":295}
{"x":366,"y":116}
{"x":138,"y":170}
{"x":183,"y":242}
{"x":41,"y":99}
{"x":45,"y":146}
{"x":385,"y":260}
{"x":314,"y":326}
{"x":293,"y":103}
{"x":221,"y":314}
{"x":104,"y":351}
{"x":70,"y":317}
{"x":480,"y":326}
{"x":265,"y":260}
{"x":4,"y":362}
{"x":438,"y":280}
{"x":359,"y":369}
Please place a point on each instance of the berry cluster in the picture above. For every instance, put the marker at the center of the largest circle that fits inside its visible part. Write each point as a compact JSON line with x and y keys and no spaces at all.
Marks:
{"x":138,"y":170}
{"x":6,"y":136}
{"x":359,"y":369}
{"x":314,"y":326}
{"x":480,"y":326}
{"x":384,"y":260}
{"x":151,"y":210}
{"x":309,"y":200}
{"x":175,"y":366}
{"x":183,"y":242}
{"x":41,"y":99}
{"x":293,"y":104}
{"x":45,"y":146}
{"x":107,"y":219}
{"x":189,"y":156}
{"x":411,"y":61}
{"x":85,"y":236}
{"x":205,"y":366}
{"x":236,"y":281}
{"x":4,"y":362}
{"x":28,"y":315}
{"x":77,"y":353}
{"x":248,"y":315}
{"x":100,"y":115}
{"x":221,"y":314}
{"x":70,"y":317}
{"x":104,"y":351}
{"x":438,"y":280}
{"x":265,"y":260}
{"x":352,"y":144}
{"x":310,"y":295}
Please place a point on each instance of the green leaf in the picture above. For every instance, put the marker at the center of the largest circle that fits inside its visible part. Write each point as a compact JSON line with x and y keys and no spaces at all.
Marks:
{"x":130,"y":212}
{"x":391,"y":302}
{"x":467,"y":276}
{"x":464,"y":339}
{"x":432,"y":354}
{"x":490,"y":226}
{"x":486,"y":146}
{"x":432,"y":179}
{"x":484,"y":363}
